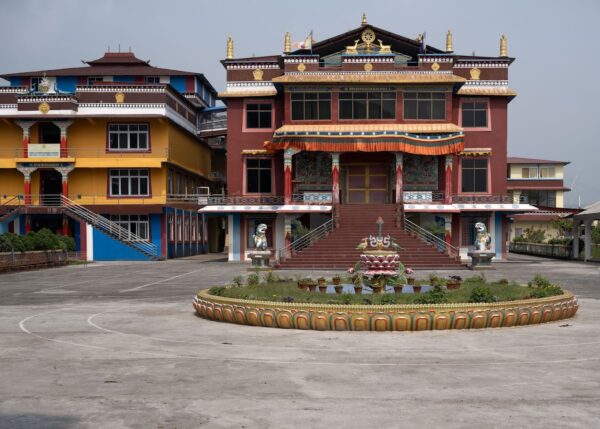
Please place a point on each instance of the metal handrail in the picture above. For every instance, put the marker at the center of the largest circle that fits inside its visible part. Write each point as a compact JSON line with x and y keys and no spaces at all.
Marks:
{"x":306,"y":240}
{"x":82,"y":152}
{"x":111,"y":228}
{"x":430,"y":238}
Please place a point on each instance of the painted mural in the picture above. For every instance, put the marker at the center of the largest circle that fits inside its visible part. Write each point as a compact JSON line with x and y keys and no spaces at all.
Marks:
{"x":312,"y":169}
{"x":420,"y":172}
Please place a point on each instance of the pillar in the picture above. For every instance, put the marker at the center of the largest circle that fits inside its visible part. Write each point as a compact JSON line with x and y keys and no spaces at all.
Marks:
{"x":587,"y":253}
{"x":65,"y":226}
{"x":516,"y":197}
{"x":448,"y":228}
{"x":287,"y":175}
{"x":399,"y":177}
{"x":448,"y":180}
{"x":576,"y":235}
{"x":287,"y":233}
{"x":26,"y":171}
{"x":335,"y":178}
{"x":64,"y":172}
{"x":25,"y":125}
{"x":27,"y":224}
{"x":63,"y":125}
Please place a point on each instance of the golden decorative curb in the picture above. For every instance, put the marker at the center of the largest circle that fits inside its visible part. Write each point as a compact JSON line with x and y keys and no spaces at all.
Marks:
{"x":396,"y":317}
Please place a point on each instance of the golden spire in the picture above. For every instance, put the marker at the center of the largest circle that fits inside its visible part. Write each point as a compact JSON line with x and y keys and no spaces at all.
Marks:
{"x":503,"y":52}
{"x":449,"y":47}
{"x":287,"y":44}
{"x":229,"y":48}
{"x":364,"y":20}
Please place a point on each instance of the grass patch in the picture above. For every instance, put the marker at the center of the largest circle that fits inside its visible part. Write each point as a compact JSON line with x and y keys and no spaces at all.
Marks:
{"x":473,"y":289}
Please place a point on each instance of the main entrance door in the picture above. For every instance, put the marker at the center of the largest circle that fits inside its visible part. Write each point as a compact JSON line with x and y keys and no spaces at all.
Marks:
{"x":50,"y":186}
{"x":367,"y":183}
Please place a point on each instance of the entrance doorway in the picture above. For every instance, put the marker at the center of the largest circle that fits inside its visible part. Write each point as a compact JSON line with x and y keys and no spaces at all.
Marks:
{"x":367,"y":184}
{"x":50,"y":187}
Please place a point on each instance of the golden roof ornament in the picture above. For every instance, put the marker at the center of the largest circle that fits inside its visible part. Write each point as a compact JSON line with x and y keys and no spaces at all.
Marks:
{"x":364,"y":20}
{"x":449,"y":47}
{"x":503,"y":52}
{"x":229,"y":48}
{"x":287,"y":44}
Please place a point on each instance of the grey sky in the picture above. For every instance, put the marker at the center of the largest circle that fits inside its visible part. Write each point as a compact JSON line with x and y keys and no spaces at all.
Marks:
{"x":555,"y":43}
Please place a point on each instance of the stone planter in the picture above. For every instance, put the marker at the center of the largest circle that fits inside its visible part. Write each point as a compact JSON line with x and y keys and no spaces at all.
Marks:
{"x":417,"y":289}
{"x":338,"y":288}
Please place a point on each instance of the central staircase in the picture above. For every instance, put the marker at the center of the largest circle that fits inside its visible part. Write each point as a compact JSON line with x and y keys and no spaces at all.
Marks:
{"x":337,"y":250}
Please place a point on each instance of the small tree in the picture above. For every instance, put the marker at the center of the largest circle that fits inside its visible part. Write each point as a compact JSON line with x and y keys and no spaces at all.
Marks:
{"x":533,"y":235}
{"x":564,"y":227}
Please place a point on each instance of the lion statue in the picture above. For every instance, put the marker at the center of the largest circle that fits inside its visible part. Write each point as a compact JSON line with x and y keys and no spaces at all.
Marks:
{"x":483,"y":240}
{"x":260,"y":238}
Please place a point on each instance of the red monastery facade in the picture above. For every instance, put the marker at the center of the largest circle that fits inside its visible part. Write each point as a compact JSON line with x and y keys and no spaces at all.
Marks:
{"x":366,"y":124}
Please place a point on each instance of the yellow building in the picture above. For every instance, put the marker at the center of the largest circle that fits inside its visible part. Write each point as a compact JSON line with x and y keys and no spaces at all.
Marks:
{"x":109,"y":153}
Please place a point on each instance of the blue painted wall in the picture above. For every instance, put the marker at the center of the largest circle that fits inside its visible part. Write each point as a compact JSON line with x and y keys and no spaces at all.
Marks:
{"x":178,"y":82}
{"x":499,"y":236}
{"x":66,"y":83}
{"x":128,"y":79}
{"x":15,"y":81}
{"x":108,"y":249}
{"x":237,"y":238}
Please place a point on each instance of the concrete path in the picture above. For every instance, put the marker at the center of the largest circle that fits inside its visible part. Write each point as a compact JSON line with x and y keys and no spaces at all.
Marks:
{"x":116,"y":345}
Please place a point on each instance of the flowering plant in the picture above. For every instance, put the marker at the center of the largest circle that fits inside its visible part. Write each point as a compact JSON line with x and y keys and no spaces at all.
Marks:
{"x":409,"y":271}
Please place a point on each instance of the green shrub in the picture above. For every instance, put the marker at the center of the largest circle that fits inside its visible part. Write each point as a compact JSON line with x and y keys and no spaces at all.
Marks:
{"x":540,"y":287}
{"x":387,"y":298}
{"x":237,"y":281}
{"x":217,"y":290}
{"x":253,"y":279}
{"x":437,"y":295}
{"x":482,"y":293}
{"x":68,"y":242}
{"x":44,"y":239}
{"x":12,"y":242}
{"x":539,"y":281}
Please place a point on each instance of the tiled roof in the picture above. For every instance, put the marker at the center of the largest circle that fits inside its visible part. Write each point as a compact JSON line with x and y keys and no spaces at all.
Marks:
{"x":519,"y":160}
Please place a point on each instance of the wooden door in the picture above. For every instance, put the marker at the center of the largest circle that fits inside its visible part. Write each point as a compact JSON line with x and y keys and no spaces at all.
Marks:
{"x":367,"y":184}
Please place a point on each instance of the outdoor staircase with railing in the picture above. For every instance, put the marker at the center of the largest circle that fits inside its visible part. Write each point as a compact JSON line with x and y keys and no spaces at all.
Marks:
{"x":333,"y":245}
{"x":82,"y":214}
{"x":10,"y":209}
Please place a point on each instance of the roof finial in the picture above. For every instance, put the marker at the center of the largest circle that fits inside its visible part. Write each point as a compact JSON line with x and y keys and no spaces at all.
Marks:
{"x":503,"y":52}
{"x":229,"y":48}
{"x":449,"y":47}
{"x":287,"y":44}
{"x":364,"y":20}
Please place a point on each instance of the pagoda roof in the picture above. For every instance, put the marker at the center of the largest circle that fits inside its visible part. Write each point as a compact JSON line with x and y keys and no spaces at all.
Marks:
{"x":118,"y":58}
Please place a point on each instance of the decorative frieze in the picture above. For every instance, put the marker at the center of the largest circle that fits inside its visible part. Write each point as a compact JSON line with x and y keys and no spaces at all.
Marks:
{"x":482,"y":64}
{"x":252,"y":66}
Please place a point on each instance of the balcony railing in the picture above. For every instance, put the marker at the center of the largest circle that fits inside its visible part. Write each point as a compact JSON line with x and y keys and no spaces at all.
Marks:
{"x":489,"y":199}
{"x":305,"y":199}
{"x":217,"y":124}
{"x":53,"y":150}
{"x":53,"y":200}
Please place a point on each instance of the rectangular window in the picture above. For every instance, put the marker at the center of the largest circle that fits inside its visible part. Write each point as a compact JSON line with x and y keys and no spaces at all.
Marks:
{"x":93,"y":79}
{"x":474,"y":174}
{"x":35,"y":83}
{"x":424,"y":105}
{"x":474,"y":114}
{"x":259,"y":115}
{"x":311,"y":106}
{"x":137,"y":225}
{"x":540,"y":198}
{"x":129,"y":182}
{"x":128,"y":137}
{"x":367,"y":105}
{"x":529,"y":172}
{"x":151,"y":79}
{"x":547,"y":172}
{"x":258,"y":175}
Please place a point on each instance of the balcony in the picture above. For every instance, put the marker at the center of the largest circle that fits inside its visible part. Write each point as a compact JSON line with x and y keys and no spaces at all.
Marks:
{"x":37,"y":151}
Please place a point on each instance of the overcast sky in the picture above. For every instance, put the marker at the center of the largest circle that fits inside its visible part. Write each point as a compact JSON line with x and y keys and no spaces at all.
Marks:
{"x":555,"y":42}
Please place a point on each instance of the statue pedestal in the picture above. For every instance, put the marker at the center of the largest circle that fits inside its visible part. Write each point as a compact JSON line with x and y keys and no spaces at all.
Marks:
{"x":481,"y":260}
{"x":260,"y":259}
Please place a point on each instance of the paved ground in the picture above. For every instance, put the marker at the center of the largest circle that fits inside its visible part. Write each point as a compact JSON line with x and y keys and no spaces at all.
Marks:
{"x":118,"y":346}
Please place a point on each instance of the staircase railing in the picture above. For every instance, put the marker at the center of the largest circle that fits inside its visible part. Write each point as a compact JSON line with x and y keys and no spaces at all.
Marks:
{"x":11,"y":207}
{"x":428,"y":237}
{"x":110,"y":228}
{"x":305,"y":241}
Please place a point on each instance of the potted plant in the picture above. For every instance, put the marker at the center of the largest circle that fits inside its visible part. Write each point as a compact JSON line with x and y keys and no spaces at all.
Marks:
{"x":453,"y":282}
{"x":357,"y":278}
{"x":322,"y":282}
{"x":303,"y":284}
{"x":312,"y":285}
{"x":338,"y":288}
{"x":409,"y":276}
{"x":336,"y":280}
{"x":416,"y":288}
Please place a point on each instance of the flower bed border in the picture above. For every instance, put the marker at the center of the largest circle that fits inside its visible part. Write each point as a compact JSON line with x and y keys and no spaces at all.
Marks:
{"x":395,"y":317}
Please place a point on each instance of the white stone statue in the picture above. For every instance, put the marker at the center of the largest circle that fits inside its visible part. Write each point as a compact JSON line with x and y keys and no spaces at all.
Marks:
{"x":483,"y":239}
{"x":260,"y":238}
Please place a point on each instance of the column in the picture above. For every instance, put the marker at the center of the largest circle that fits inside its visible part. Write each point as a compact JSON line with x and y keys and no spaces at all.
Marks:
{"x":399,"y":177}
{"x":26,"y":171}
{"x":27,"y":224}
{"x":448,"y":181}
{"x":516,"y":197}
{"x":287,"y":233}
{"x":287,"y":174}
{"x":25,"y":125}
{"x":65,"y":226}
{"x":64,"y":172}
{"x":587,"y":253}
{"x":63,"y":125}
{"x":576,"y":234}
{"x":335,"y":178}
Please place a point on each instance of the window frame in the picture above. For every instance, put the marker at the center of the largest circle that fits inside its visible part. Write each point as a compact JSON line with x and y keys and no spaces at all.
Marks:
{"x":486,"y":100}
{"x":125,"y":221}
{"x":547,"y":167}
{"x":155,"y":79}
{"x":91,"y":79}
{"x":245,"y":116}
{"x":540,"y":192}
{"x":530,"y":168}
{"x":487,"y":176}
{"x":148,"y":148}
{"x":367,"y":99}
{"x":303,"y":101}
{"x":35,"y":87}
{"x":404,"y":100}
{"x":245,"y":176}
{"x":133,"y":196}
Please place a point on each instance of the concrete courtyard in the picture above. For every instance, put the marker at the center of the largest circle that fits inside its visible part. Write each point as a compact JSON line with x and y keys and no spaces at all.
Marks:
{"x":117,"y":345}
